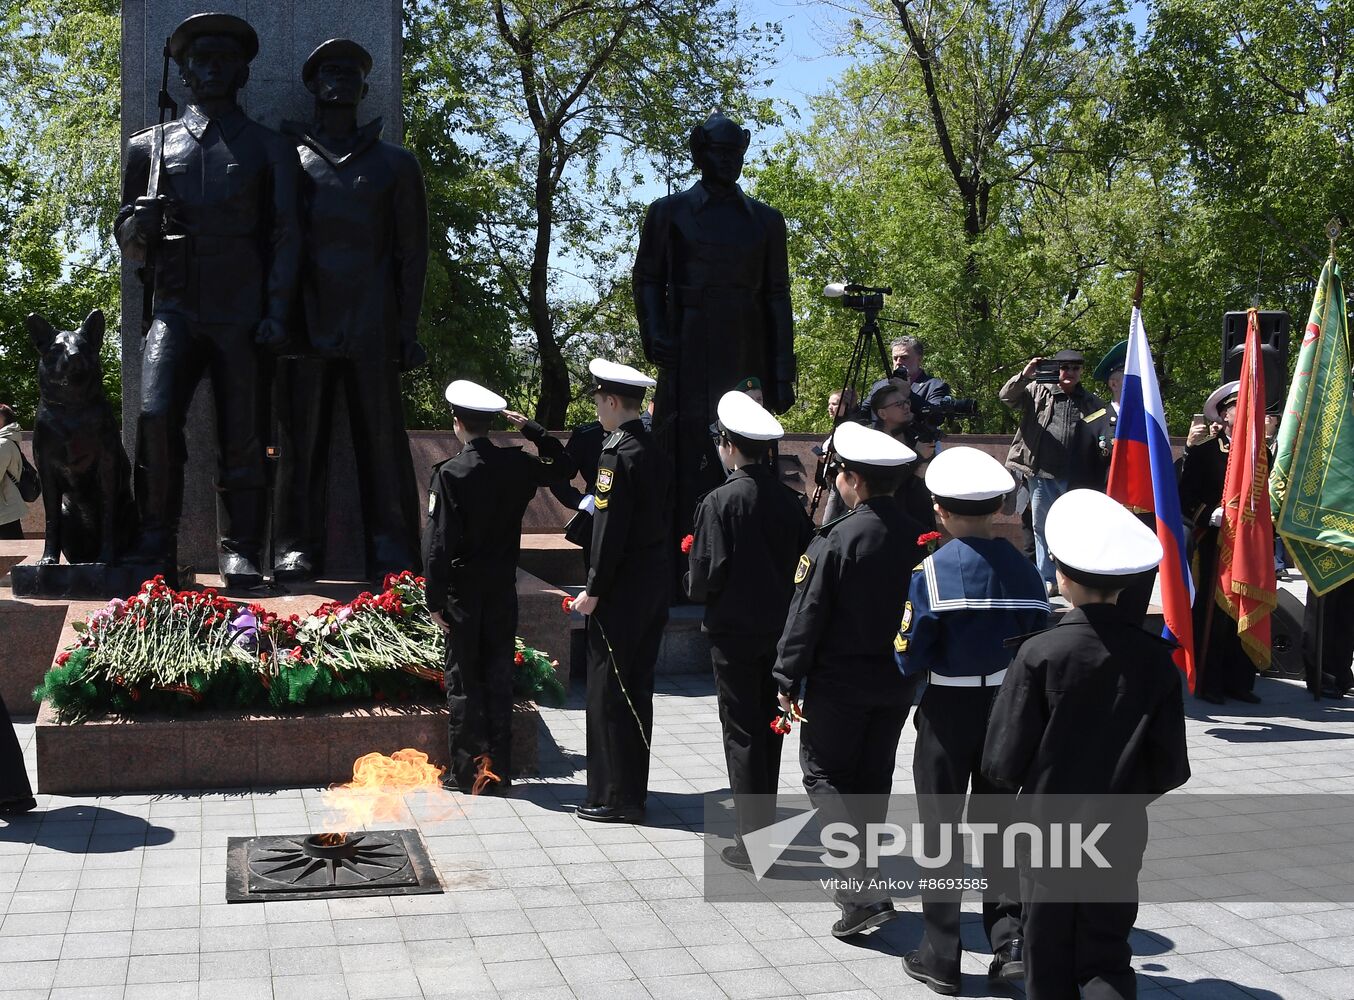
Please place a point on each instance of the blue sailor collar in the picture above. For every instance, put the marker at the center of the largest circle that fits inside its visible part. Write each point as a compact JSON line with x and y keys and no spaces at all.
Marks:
{"x":962,"y":577}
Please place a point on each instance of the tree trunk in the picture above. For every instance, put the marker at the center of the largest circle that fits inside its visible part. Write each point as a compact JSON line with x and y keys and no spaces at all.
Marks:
{"x":554,"y":398}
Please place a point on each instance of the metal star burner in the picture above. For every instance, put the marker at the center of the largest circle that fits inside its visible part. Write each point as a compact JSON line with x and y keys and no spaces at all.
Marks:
{"x":378,"y":863}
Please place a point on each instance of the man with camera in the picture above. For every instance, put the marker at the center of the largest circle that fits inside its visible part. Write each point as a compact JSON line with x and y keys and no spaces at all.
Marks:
{"x":1063,"y":441}
{"x":927,"y":389}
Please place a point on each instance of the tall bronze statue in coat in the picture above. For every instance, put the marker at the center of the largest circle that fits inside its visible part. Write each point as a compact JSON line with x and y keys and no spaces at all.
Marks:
{"x":365,"y":220}
{"x":209,"y":207}
{"x":712,"y":294}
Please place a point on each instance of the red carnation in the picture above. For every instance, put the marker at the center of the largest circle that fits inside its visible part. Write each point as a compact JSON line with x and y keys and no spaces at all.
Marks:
{"x":519,"y":659}
{"x":687,"y":542}
{"x":62,"y":657}
{"x":929,"y":538}
{"x":780,"y":725}
{"x":567,"y":604}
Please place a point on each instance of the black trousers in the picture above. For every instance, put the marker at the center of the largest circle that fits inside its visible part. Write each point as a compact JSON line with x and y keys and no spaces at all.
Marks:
{"x":946,"y":761}
{"x":746,"y":694}
{"x":304,"y":400}
{"x":175,"y":357}
{"x":1224,"y":668}
{"x":479,"y":668}
{"x":13,"y":778}
{"x":1078,"y":951}
{"x":13,"y":529}
{"x":1337,"y":626}
{"x":847,"y":751}
{"x":623,"y":639}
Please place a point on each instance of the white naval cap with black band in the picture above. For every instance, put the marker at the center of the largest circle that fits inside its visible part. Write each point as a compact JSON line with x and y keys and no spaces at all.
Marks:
{"x":466,"y":395}
{"x":616,"y":379}
{"x":969,"y":481}
{"x":741,"y":415}
{"x":1097,"y":542}
{"x":860,"y":445}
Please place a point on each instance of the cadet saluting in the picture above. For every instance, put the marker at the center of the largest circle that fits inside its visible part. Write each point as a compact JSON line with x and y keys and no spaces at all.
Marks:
{"x":965,"y":601}
{"x":851,"y":585}
{"x":1090,"y":707}
{"x":627,"y":596}
{"x":470,"y":549}
{"x":749,"y":533}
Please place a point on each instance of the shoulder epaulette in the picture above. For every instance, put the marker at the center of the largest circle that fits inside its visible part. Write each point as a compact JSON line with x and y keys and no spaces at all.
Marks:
{"x":824,"y":528}
{"x":613,"y":439}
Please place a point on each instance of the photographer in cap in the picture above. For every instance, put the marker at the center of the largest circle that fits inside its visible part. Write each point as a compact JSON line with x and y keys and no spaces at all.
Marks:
{"x":1063,"y":440}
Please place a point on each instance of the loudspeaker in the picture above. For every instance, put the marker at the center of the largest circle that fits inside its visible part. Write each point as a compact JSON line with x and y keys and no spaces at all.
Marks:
{"x":1273,"y":353}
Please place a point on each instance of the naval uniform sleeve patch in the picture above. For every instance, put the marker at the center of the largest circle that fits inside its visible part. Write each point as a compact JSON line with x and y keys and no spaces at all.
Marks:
{"x":899,"y":644}
{"x":802,"y":570}
{"x":604,"y":478}
{"x":906,"y":626}
{"x":432,"y":502}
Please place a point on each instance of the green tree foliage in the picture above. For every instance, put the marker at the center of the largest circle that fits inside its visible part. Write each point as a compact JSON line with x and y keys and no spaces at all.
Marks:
{"x":58,"y":165}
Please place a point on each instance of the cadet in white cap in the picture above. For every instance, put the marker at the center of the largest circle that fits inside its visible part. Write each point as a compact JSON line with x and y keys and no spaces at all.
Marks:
{"x":1225,"y":671}
{"x":470,"y":549}
{"x":627,"y":596}
{"x":966,"y":600}
{"x":850,"y":587}
{"x":1091,"y":707}
{"x":749,"y":534}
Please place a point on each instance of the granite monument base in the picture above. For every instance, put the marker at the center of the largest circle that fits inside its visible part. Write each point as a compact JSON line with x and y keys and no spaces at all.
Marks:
{"x":91,"y":581}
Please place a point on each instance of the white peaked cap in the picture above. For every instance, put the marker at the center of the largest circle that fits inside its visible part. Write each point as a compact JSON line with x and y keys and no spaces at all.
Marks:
{"x":1088,"y":531}
{"x":1219,"y":398}
{"x":619,"y":374}
{"x":866,"y":446}
{"x":466,"y":395}
{"x":740,"y":414}
{"x":964,"y":473}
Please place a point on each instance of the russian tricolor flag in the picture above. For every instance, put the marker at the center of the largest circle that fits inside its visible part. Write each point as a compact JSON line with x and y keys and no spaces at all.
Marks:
{"x":1142,"y":476}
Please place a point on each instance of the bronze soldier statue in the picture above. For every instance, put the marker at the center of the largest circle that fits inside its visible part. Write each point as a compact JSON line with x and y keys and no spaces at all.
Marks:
{"x":712,"y":294}
{"x":209,"y":205}
{"x":365,"y":219}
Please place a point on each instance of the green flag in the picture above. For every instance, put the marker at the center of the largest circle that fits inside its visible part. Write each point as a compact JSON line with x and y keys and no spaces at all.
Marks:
{"x":1312,"y":482}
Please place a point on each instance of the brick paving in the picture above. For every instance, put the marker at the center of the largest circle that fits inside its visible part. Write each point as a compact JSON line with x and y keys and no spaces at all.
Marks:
{"x":123,"y":897}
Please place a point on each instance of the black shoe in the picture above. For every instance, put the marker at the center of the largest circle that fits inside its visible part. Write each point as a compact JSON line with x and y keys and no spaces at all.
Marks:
{"x":1246,"y":697}
{"x":736,"y":856}
{"x":294,"y":565}
{"x":913,"y":967}
{"x":611,"y":814}
{"x":16,"y":807}
{"x":857,"y":919}
{"x":1211,"y":698}
{"x":1008,"y":964}
{"x":239,"y":570}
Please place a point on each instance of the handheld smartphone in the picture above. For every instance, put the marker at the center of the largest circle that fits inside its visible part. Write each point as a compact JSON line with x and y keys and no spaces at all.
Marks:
{"x":1198,"y":420}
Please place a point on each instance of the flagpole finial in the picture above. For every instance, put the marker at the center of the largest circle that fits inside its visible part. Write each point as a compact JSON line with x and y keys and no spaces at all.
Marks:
{"x":1137,"y":291}
{"x":1333,"y":230}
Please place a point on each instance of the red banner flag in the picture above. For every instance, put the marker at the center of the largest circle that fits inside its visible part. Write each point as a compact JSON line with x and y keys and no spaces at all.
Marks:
{"x":1246,"y":588}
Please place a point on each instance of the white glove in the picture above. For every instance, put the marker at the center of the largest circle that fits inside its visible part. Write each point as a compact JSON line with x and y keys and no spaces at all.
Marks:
{"x":1216,"y":520}
{"x":588,"y":504}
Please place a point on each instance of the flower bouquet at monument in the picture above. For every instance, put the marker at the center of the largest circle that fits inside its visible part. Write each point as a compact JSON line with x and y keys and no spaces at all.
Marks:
{"x":164,"y":650}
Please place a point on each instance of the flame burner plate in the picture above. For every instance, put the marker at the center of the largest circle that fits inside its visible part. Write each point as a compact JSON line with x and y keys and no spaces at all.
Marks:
{"x":376,"y":863}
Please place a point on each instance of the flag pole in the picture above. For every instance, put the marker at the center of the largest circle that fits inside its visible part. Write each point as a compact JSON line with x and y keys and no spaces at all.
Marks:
{"x":1319,"y":667}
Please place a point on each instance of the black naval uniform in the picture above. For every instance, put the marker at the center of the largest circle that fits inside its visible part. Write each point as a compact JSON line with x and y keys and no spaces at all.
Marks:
{"x":1337,"y":631}
{"x":1092,"y":706}
{"x":749,"y":534}
{"x":966,"y":599}
{"x":15,"y":790}
{"x":850,"y":588}
{"x":1223,"y":666}
{"x":470,"y":549}
{"x":585,"y":448}
{"x":630,"y":573}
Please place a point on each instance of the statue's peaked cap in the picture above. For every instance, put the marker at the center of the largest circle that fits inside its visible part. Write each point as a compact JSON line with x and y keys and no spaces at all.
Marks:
{"x":192,"y":28}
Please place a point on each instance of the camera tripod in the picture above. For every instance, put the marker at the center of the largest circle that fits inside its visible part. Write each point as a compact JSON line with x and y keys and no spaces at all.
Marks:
{"x":869,"y":302}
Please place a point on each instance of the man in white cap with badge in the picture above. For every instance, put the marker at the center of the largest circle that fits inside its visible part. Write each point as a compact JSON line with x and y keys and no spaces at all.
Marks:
{"x":470,"y":549}
{"x":749,"y":534}
{"x":850,"y":588}
{"x":627,"y":596}
{"x":966,"y":600}
{"x":1091,"y":708}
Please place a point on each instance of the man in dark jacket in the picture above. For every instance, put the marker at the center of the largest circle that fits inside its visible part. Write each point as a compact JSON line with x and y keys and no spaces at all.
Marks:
{"x":210,"y":202}
{"x":470,"y":548}
{"x":1091,"y":708}
{"x":1063,"y":441}
{"x":850,"y":588}
{"x":626,"y":597}
{"x":365,"y":220}
{"x":749,"y":534}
